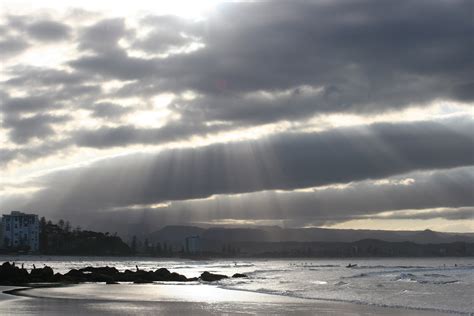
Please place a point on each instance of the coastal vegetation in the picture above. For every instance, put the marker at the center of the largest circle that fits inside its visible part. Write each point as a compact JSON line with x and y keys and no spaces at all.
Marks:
{"x":62,"y":239}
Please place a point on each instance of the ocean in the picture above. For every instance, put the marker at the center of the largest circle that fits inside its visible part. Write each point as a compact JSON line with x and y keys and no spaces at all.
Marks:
{"x":436,"y":284}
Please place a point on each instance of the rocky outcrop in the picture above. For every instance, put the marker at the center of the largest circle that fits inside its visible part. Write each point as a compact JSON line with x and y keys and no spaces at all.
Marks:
{"x":240,"y":275}
{"x":211,"y":277}
{"x":10,"y":274}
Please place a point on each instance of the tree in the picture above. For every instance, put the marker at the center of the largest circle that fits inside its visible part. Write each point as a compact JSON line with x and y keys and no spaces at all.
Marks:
{"x":61,"y":224}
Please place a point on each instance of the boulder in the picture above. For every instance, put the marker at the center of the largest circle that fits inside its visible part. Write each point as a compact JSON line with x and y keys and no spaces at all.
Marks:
{"x":162,"y":274}
{"x":176,"y":277}
{"x":101,"y":270}
{"x":97,"y":277}
{"x":240,"y":275}
{"x":11,"y":274}
{"x":45,"y":274}
{"x":211,"y":277}
{"x":126,"y":276}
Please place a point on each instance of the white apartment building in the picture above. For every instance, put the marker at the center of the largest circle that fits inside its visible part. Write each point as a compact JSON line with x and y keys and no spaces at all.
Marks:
{"x":20,"y":231}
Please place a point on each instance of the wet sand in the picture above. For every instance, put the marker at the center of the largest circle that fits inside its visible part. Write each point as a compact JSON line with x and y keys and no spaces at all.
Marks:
{"x":153,"y":299}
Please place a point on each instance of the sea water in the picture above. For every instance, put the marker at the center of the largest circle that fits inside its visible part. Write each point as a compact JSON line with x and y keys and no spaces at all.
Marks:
{"x":443,"y":284}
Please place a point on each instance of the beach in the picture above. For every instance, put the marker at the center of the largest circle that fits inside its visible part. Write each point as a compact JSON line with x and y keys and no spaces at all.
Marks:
{"x":152,"y":299}
{"x":390,"y":286}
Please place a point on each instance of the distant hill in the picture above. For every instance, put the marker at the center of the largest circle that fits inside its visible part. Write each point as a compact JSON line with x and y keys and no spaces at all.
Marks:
{"x":175,"y":233}
{"x":277,"y":234}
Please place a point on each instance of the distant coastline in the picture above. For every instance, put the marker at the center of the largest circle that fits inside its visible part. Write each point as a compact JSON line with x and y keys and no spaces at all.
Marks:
{"x":368,"y":248}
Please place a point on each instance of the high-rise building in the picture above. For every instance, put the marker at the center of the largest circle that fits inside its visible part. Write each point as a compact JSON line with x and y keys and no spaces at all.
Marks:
{"x":20,"y":231}
{"x":193,"y":244}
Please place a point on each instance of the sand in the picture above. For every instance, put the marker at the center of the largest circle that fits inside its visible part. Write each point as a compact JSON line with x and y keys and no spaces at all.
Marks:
{"x":154,"y":299}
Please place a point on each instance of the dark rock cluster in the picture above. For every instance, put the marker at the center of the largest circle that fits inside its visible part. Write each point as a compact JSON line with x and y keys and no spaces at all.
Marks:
{"x":10,"y":274}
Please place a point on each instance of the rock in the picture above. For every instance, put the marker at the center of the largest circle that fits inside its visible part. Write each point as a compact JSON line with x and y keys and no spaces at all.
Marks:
{"x":10,"y":274}
{"x":211,"y":277}
{"x":240,"y":275}
{"x":101,"y":270}
{"x":45,"y":274}
{"x":75,"y":273}
{"x":126,"y":276}
{"x":176,"y":277}
{"x":97,"y":277}
{"x":162,"y":274}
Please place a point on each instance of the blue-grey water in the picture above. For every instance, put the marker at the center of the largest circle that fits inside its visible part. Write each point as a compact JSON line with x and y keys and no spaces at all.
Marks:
{"x":443,"y":284}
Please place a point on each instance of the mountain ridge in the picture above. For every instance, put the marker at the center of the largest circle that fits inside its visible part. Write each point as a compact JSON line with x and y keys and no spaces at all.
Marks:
{"x":177,"y":233}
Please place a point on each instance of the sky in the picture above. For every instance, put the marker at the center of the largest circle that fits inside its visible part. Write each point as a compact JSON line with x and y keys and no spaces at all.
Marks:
{"x":342,"y":114}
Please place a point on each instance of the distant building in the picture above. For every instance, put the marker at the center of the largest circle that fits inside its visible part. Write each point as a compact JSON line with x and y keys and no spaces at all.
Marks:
{"x":20,"y":231}
{"x":193,"y":244}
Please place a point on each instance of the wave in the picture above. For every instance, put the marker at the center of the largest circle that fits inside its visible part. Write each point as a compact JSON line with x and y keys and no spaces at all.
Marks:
{"x":437,"y":282}
{"x":270,"y":271}
{"x":175,"y":283}
{"x":414,"y":278}
{"x":317,"y":265}
{"x":410,"y":271}
{"x":231,"y":266}
{"x":405,"y":277}
{"x":436,"y":275}
{"x":391,"y":267}
{"x":355,"y":276}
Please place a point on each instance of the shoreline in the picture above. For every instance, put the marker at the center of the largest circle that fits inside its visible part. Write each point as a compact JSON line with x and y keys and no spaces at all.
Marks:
{"x":233,"y":294}
{"x":83,"y":299}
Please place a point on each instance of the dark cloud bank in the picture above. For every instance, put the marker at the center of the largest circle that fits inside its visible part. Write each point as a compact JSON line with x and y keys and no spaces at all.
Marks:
{"x":257,"y":63}
{"x":286,"y":162}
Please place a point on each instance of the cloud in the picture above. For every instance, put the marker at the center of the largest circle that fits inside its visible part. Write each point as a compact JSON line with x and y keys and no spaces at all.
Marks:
{"x":281,"y":69}
{"x":358,"y":59}
{"x":168,"y":32}
{"x":116,"y":65}
{"x":22,"y":130}
{"x":462,"y":213}
{"x":429,"y":195}
{"x":103,"y":36}
{"x":26,"y":104}
{"x":43,"y":77}
{"x":10,"y":47}
{"x":126,"y":135}
{"x":48,"y":31}
{"x":109,"y":110}
{"x":286,"y":162}
{"x":31,"y":152}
